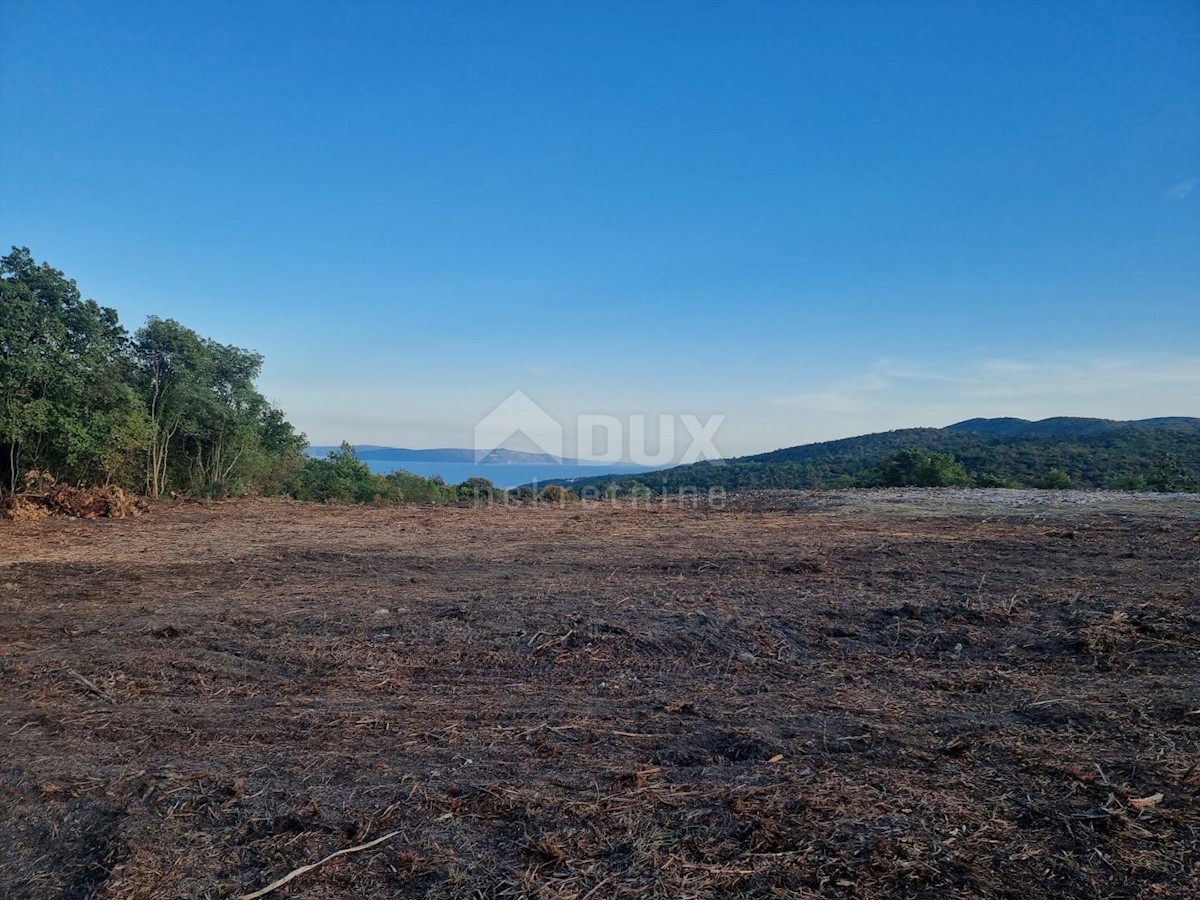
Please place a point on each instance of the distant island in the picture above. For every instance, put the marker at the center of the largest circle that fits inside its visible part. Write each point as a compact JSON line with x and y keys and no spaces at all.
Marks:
{"x":498,"y":457}
{"x":501,"y":467}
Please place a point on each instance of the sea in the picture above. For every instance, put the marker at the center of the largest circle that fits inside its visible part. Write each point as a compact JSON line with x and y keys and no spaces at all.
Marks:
{"x":503,"y":475}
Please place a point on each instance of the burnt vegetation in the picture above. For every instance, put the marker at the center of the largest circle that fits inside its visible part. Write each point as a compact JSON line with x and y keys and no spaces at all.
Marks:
{"x":797,"y":696}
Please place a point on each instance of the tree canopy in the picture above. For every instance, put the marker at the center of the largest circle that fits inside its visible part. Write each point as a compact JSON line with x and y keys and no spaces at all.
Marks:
{"x":162,"y":411}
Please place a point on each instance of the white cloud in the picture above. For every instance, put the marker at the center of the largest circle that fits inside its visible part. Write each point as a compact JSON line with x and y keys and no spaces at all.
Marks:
{"x":826,"y":401}
{"x":869,"y":391}
{"x":1130,"y":379}
{"x":1181,"y":190}
{"x":892,"y":395}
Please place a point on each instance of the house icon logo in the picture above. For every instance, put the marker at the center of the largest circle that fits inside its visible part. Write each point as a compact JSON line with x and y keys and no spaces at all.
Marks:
{"x":519,"y":424}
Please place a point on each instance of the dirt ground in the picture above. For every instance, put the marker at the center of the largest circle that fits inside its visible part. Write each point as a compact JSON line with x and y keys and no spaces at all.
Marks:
{"x":923,"y":694}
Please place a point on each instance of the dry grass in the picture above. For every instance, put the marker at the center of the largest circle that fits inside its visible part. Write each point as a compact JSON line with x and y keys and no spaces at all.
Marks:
{"x":801,"y":699}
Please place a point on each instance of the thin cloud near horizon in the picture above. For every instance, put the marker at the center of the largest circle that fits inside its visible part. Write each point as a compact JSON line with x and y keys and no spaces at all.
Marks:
{"x":1101,"y":387}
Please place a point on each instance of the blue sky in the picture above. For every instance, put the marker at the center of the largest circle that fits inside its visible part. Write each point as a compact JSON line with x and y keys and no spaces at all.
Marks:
{"x":816,"y":219}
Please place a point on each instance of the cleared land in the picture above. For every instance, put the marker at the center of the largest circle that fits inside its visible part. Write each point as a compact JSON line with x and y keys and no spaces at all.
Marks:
{"x":925,"y":694}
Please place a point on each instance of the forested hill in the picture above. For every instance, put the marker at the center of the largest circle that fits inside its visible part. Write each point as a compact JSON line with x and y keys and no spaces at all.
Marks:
{"x":1162,"y":454}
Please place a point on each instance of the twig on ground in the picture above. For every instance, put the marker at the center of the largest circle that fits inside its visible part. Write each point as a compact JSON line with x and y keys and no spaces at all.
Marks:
{"x":295,"y":873}
{"x":91,"y":686}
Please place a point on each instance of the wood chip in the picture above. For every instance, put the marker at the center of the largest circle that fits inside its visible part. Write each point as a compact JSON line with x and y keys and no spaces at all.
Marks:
{"x":1145,"y":802}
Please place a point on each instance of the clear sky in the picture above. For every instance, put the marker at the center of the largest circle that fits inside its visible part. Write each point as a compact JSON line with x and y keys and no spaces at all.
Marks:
{"x":815,"y":218}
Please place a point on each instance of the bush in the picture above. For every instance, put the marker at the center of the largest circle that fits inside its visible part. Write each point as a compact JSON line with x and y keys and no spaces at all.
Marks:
{"x":988,"y":480}
{"x":1056,"y":479}
{"x":915,"y":467}
{"x":1169,"y":476}
{"x":1130,"y":483}
{"x":554,"y":493}
{"x":343,"y":477}
{"x":476,"y":489}
{"x":638,"y":489}
{"x":410,"y":488}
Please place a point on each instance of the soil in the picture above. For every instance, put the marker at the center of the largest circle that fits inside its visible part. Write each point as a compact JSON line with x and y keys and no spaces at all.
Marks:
{"x":857,"y":694}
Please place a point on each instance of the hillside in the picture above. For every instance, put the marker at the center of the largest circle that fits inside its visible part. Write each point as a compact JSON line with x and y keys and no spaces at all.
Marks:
{"x":1095,"y":453}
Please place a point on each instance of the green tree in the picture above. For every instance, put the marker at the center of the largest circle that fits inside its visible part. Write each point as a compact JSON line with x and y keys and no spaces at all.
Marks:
{"x":279,"y":453}
{"x":174,"y":371}
{"x":477,"y":488}
{"x":919,"y":468}
{"x":170,"y":409}
{"x":1169,"y":476}
{"x":66,"y":403}
{"x":341,"y":475}
{"x":210,"y":430}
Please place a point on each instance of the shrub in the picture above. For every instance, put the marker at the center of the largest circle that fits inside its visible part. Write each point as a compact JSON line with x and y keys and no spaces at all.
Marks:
{"x":1169,"y":476}
{"x":1130,"y":483}
{"x":477,"y":489}
{"x":554,"y":493}
{"x":988,"y":480}
{"x":342,"y":477}
{"x":915,"y":467}
{"x":1056,"y":479}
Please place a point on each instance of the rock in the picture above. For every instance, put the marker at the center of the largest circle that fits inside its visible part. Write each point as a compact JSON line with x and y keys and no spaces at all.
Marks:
{"x":746,"y":657}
